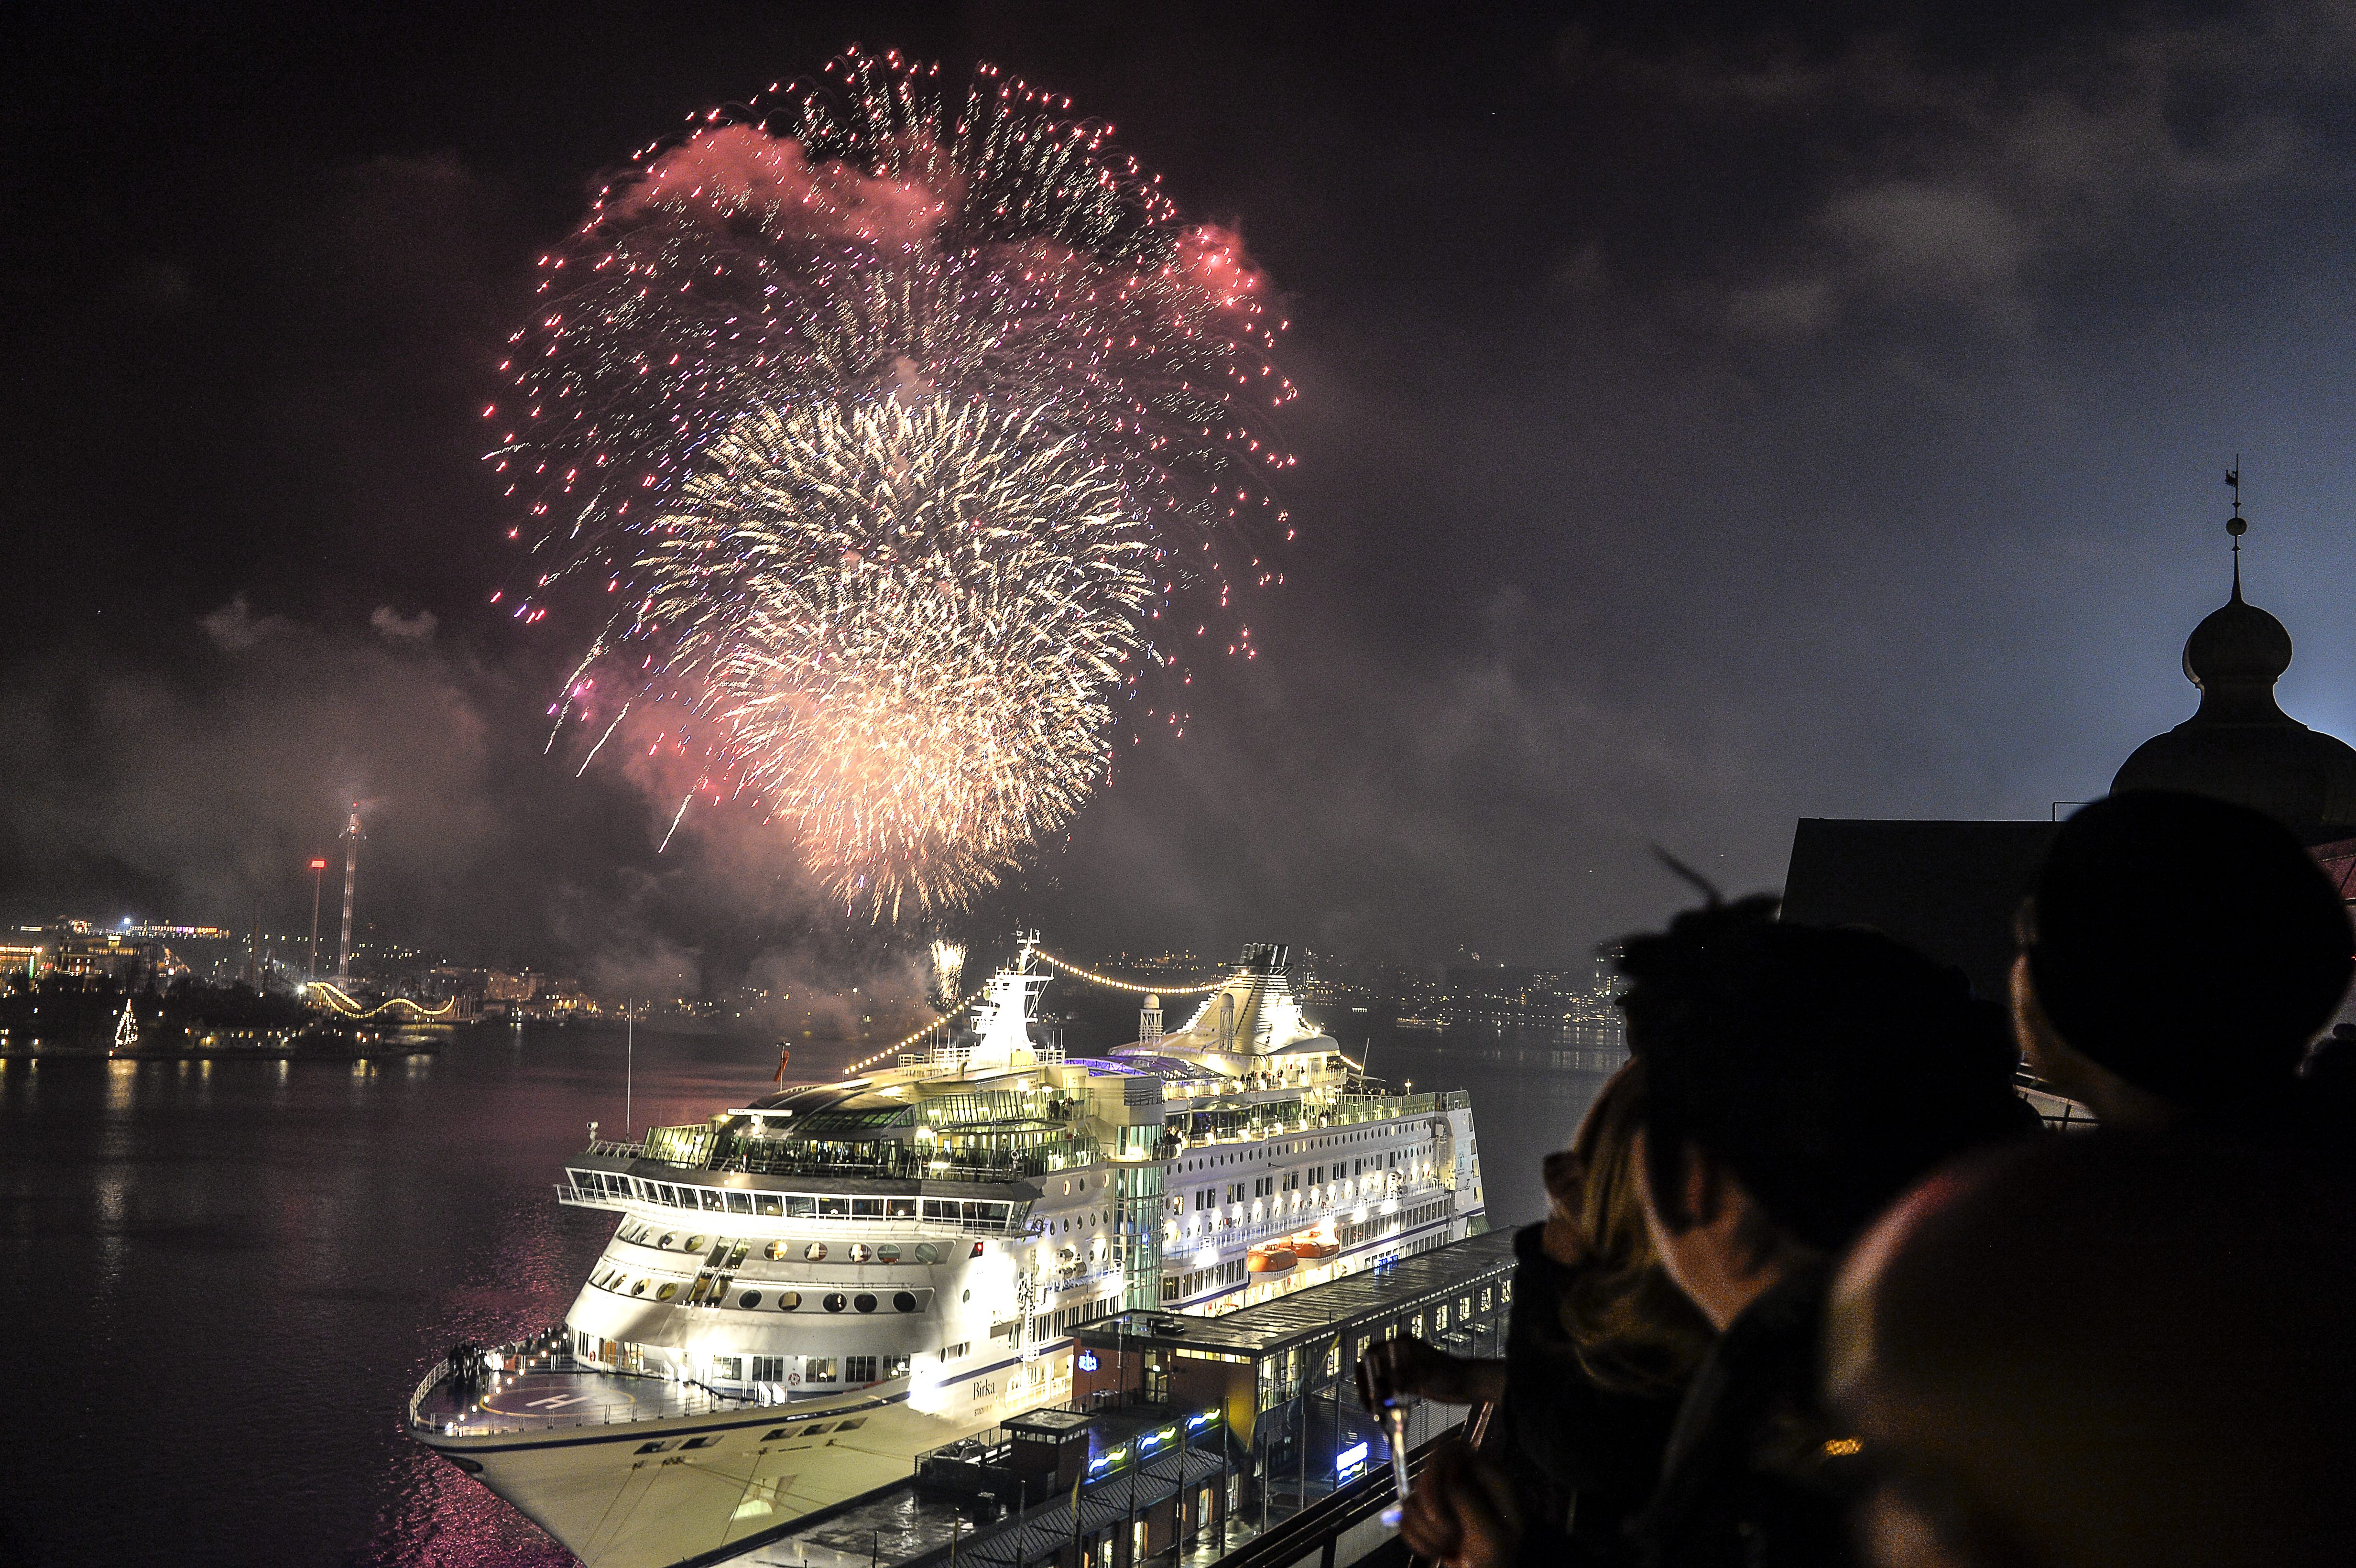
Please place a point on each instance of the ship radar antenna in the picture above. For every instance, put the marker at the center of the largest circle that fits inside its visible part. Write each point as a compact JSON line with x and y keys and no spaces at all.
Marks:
{"x":2236,"y":524}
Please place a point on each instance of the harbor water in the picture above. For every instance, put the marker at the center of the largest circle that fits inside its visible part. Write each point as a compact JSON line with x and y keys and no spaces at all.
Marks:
{"x":224,"y":1278}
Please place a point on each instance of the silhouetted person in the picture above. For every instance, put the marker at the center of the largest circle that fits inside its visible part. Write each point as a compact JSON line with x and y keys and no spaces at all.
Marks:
{"x":2108,"y":1350}
{"x":1798,"y":1080}
{"x":2178,"y":955}
{"x":1599,"y":1350}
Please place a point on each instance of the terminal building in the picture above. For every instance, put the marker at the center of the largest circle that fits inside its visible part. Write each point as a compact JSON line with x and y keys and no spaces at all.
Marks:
{"x":1187,"y":1440}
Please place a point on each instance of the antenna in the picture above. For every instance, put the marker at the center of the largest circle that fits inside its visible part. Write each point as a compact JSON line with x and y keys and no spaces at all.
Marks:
{"x":2236,"y":524}
{"x":352,"y":837}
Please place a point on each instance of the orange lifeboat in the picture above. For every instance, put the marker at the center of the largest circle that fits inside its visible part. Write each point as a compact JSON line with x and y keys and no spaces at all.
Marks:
{"x":1272,"y":1258}
{"x":1311,"y":1247}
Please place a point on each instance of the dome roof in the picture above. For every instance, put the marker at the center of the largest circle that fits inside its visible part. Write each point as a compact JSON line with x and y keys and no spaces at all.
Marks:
{"x":2240,"y":745}
{"x":2238,"y":644}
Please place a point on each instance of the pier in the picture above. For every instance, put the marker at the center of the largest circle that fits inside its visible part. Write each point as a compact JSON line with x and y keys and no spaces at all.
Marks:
{"x":1188,"y":1441}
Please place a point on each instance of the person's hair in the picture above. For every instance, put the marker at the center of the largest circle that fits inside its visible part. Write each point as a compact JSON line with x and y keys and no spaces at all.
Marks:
{"x":1828,"y":1069}
{"x":2114,"y":1348}
{"x":1631,"y":1328}
{"x":2189,"y":945}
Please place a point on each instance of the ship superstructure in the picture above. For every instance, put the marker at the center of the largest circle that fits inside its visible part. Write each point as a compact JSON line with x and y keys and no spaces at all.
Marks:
{"x":807,"y":1290}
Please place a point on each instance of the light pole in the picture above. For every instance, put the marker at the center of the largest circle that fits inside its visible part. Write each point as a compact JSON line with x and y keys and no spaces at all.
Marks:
{"x":318,"y":876}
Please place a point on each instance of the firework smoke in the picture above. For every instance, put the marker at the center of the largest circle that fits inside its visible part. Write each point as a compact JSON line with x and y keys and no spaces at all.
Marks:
{"x":889,"y":423}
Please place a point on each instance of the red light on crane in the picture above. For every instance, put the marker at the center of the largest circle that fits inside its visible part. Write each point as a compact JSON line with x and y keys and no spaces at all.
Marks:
{"x":319,"y":865}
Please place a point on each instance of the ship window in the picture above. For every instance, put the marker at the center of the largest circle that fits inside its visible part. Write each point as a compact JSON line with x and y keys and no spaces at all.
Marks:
{"x":889,"y":1252}
{"x":640,"y":1288}
{"x":698,"y":1443}
{"x":726,"y":1369}
{"x":899,"y":1208}
{"x":834,"y":1207}
{"x":818,"y":1370}
{"x":858,"y":1369}
{"x":668,"y":1237}
{"x":768,"y":1203}
{"x":835,"y":1302}
{"x":749,"y":1298}
{"x":867,"y":1208}
{"x":802,"y":1207}
{"x":694,"y":1244}
{"x":768,"y":1369}
{"x":652,"y":1448}
{"x":666,"y":1194}
{"x":941,"y":1208}
{"x":712,"y":1200}
{"x":815,"y":1252}
{"x":668,"y":1291}
{"x":775,"y":1251}
{"x":819,"y":1429}
{"x":740,"y":1203}
{"x":773,"y":1437}
{"x":859,"y":1252}
{"x":904,"y":1301}
{"x":927,"y":1253}
{"x":865,"y":1303}
{"x":789,"y":1301}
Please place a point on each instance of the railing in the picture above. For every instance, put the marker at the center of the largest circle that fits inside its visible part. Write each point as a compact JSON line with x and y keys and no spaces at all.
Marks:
{"x":1389,"y":1107}
{"x":692,"y":1400}
{"x":1292,"y":1224}
{"x":425,"y":1386}
{"x":849,"y":1226}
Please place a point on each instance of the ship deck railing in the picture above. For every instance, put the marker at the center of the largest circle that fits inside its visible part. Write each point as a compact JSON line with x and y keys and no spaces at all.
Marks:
{"x":671,"y":1398}
{"x":858,"y":1227}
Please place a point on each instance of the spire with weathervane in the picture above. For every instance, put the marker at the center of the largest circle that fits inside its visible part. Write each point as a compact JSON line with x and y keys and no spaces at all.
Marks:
{"x":2239,"y":745}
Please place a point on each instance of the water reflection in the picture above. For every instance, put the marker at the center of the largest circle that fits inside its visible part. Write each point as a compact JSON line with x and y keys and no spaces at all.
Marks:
{"x":270,"y":1253}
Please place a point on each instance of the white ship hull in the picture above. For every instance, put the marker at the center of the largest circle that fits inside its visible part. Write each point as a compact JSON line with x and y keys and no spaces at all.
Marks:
{"x":768,"y":1334}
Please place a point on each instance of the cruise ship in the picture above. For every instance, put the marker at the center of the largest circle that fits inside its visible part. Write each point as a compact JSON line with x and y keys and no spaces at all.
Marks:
{"x":805,"y":1293}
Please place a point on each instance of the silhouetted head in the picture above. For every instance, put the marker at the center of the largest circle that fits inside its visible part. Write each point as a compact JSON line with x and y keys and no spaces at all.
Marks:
{"x":1828,"y":1069}
{"x":2191,"y":946}
{"x":1632,"y":1328}
{"x":2087,"y":1351}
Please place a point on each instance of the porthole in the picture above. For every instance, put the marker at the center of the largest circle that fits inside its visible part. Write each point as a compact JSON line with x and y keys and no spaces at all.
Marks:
{"x":859,"y":1252}
{"x":888,"y":1253}
{"x":668,"y":1291}
{"x":904,"y":1301}
{"x":815,"y":1252}
{"x":863,"y":1302}
{"x":640,"y":1288}
{"x":749,"y":1298}
{"x":927,"y":1253}
{"x":834,"y":1303}
{"x":966,"y":1297}
{"x":775,"y":1252}
{"x":789,"y":1301}
{"x":695,"y":1244}
{"x":668,"y":1237}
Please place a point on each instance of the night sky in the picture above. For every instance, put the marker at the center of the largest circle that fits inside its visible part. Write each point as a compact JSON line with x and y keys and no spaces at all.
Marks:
{"x":1710,"y":417}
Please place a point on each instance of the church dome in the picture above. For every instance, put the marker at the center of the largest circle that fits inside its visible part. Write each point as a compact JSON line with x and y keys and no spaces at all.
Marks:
{"x":2240,"y":745}
{"x":2237,"y":644}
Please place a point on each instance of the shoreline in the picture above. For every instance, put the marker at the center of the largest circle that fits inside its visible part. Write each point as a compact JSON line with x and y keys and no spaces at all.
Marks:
{"x":243,"y":1053}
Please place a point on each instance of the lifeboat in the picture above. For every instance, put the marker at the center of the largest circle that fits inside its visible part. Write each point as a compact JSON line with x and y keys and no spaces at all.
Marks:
{"x":1311,"y":1247}
{"x":1272,"y":1257}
